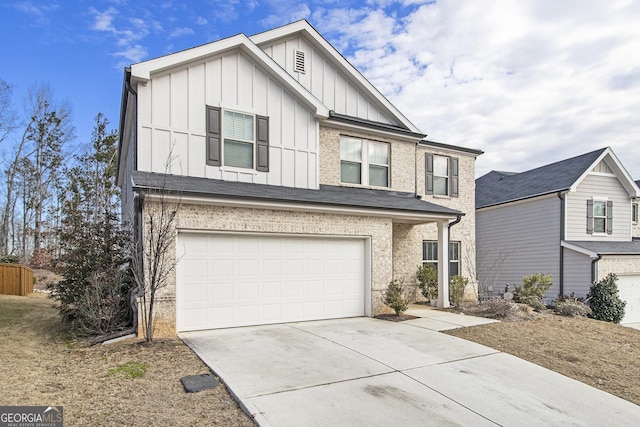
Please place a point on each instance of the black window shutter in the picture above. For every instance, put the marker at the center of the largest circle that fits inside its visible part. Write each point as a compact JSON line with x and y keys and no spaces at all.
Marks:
{"x":589,"y":216}
{"x":429,"y":174}
{"x":262,"y":144}
{"x":214,"y":137}
{"x":609,"y":217}
{"x":454,"y":180}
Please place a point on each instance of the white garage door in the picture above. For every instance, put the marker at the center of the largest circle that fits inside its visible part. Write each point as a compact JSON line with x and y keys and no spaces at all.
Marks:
{"x":226,"y":280}
{"x":629,"y":291}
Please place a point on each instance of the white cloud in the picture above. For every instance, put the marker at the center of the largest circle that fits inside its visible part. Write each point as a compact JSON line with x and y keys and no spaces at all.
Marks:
{"x":180,"y":32}
{"x":132,"y":54}
{"x":529,"y":82}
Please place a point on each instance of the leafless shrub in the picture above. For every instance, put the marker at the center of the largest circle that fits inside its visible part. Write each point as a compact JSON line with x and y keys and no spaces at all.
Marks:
{"x":572,"y":308}
{"x":103,"y":307}
{"x":499,"y":307}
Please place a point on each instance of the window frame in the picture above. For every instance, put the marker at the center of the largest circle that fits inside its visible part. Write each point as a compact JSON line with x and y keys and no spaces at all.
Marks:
{"x":592,"y":217}
{"x":434,"y":261}
{"x":365,"y":162}
{"x":226,"y":138}
{"x":634,"y":212}
{"x":215,"y":139}
{"x":452,"y":186}
{"x":446,"y":177}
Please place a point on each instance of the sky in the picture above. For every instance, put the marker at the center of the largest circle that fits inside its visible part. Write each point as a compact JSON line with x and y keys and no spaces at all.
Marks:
{"x":529,"y":82}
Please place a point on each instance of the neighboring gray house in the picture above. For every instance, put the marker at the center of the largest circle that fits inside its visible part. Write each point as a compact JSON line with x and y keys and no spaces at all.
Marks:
{"x":575,"y":219}
{"x":303,"y":190}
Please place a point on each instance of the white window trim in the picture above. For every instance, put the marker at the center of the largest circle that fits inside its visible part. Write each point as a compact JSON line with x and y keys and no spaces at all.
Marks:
{"x":435,"y":261}
{"x":634,"y":220}
{"x":604,"y":200}
{"x":447,"y":177}
{"x":364,"y":162}
{"x":228,"y":168}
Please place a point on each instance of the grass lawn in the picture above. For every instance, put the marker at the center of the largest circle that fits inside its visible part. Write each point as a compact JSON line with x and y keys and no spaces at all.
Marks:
{"x":127,"y":383}
{"x":600,"y":354}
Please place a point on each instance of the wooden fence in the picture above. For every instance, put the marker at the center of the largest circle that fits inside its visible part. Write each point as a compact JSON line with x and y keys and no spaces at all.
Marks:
{"x":15,"y":279}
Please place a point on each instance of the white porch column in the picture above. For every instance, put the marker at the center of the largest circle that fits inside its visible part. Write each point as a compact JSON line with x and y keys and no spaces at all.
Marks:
{"x":443,"y":264}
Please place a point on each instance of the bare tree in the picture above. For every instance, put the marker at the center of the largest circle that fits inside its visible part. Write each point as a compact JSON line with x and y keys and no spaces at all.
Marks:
{"x":488,"y":270}
{"x":154,"y":260}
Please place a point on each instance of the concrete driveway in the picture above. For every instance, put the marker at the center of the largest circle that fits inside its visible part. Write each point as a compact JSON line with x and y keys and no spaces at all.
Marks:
{"x":363,"y":371}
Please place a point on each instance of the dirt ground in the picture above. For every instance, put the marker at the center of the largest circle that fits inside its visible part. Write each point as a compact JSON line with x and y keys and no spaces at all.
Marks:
{"x":40,"y":364}
{"x":600,"y":354}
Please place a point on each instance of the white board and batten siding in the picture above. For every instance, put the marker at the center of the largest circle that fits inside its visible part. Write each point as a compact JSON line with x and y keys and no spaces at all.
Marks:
{"x":172,"y":120}
{"x":324,"y":80}
{"x":599,"y":186}
{"x":235,"y":279}
{"x":526,"y":235}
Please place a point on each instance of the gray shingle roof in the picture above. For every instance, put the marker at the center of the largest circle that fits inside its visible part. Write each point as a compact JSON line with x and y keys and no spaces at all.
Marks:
{"x":327,"y":195}
{"x":496,"y":187}
{"x":610,"y":248}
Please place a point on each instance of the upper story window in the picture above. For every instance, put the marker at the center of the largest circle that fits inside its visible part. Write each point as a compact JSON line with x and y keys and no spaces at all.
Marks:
{"x":237,"y":139}
{"x":441,"y":175}
{"x":634,"y":213}
{"x":599,"y":216}
{"x":364,"y":162}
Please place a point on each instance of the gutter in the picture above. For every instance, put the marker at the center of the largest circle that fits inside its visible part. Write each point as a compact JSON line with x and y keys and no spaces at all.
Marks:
{"x":562,"y":226}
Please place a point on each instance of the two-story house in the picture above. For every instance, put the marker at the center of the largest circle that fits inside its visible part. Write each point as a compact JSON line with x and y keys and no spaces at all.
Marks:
{"x":303,"y":191}
{"x":575,"y":219}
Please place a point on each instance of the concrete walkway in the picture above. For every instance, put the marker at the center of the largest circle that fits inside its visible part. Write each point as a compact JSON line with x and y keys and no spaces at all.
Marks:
{"x":363,"y":371}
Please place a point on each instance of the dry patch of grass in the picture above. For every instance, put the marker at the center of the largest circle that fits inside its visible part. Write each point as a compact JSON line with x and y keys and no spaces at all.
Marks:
{"x":128,"y":383}
{"x":597,"y":353}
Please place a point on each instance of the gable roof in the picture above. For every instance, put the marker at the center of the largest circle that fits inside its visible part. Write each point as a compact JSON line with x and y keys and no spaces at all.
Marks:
{"x":142,"y":71}
{"x":305,"y":28}
{"x":502,"y":187}
{"x":388,"y":203}
{"x":497,"y":188}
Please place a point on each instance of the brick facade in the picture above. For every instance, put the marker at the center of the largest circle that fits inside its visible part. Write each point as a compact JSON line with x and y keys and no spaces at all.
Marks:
{"x":396,"y":248}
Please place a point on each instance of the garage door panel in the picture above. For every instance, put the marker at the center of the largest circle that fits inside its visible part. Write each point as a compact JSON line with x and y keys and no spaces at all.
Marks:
{"x":249,"y":280}
{"x":629,"y":291}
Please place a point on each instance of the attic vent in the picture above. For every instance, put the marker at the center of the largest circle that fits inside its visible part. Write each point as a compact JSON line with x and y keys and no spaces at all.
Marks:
{"x":298,"y":59}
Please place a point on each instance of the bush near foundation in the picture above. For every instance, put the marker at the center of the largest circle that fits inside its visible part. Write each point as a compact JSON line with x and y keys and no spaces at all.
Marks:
{"x":394,"y":297}
{"x":604,"y":301}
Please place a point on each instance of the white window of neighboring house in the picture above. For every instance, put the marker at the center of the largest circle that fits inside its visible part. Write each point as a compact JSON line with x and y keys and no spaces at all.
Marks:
{"x":237,"y":139}
{"x":599,"y":216}
{"x":364,"y":162}
{"x":634,"y":213}
{"x":430,"y":255}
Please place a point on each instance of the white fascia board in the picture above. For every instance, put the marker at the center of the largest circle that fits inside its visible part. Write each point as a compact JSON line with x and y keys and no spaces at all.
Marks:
{"x":143,"y":70}
{"x":396,"y":216}
{"x":369,"y":130}
{"x":621,"y":173}
{"x":345,"y":66}
{"x":580,"y":250}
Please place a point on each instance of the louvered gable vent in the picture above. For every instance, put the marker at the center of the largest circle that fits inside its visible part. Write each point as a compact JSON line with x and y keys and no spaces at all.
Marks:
{"x":298,"y":58}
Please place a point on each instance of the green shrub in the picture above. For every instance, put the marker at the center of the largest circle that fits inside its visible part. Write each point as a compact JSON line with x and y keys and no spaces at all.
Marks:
{"x":456,"y":289}
{"x":533,"y":286}
{"x":604,"y":301}
{"x":393,"y":297}
{"x":427,"y":276}
{"x":9,"y":259}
